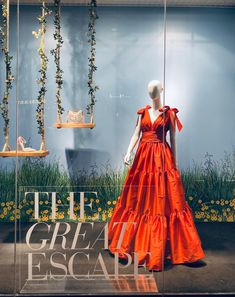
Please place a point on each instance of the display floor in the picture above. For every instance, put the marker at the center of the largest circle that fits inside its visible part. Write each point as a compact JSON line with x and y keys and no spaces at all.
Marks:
{"x":216,"y":274}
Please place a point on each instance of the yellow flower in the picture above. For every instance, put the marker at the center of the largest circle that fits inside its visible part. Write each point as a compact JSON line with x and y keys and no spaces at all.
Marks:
{"x":217,"y":202}
{"x":109,"y":202}
{"x":97,"y":200}
{"x":60,"y":215}
{"x":190,"y":197}
{"x":92,"y":199}
{"x":230,"y":218}
{"x":85,"y":199}
{"x":198,"y":216}
{"x":59,"y":201}
{"x":12,"y":218}
{"x":3,"y":204}
{"x":228,"y":209}
{"x":109,"y":215}
{"x":44,"y":218}
{"x":96,"y":216}
{"x":214,"y":217}
{"x":46,"y":202}
{"x":114,"y":202}
{"x":41,"y":202}
{"x":199,"y":201}
{"x":99,"y":209}
{"x":226,"y":201}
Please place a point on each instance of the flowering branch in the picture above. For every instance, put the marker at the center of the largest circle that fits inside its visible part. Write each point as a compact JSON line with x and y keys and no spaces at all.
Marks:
{"x":56,"y":53}
{"x":92,"y":67}
{"x":4,"y":36}
{"x":44,"y":61}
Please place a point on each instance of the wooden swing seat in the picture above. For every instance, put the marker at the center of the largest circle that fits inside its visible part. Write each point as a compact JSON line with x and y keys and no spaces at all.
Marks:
{"x":74,"y":125}
{"x":24,"y":154}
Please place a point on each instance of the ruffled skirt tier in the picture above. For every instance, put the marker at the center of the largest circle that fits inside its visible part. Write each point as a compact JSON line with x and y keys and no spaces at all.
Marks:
{"x":152,"y":217}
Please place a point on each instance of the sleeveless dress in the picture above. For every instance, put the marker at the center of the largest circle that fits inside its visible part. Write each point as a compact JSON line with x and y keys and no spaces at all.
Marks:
{"x":152,"y":218}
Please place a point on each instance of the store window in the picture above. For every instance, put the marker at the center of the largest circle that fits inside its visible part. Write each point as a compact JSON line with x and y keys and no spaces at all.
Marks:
{"x":117,"y":175}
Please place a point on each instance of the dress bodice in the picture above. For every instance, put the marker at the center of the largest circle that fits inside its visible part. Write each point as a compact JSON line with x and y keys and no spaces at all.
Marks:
{"x":166,"y":118}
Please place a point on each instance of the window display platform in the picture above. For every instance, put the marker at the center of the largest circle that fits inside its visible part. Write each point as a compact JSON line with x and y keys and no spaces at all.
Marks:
{"x":95,"y":285}
{"x":216,"y":276}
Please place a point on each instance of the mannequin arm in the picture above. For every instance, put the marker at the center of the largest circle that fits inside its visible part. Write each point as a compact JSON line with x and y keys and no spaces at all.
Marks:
{"x":133,"y":142}
{"x":173,"y":140}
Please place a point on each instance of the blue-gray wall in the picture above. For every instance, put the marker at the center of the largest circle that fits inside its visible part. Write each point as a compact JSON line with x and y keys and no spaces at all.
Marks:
{"x":200,"y":76}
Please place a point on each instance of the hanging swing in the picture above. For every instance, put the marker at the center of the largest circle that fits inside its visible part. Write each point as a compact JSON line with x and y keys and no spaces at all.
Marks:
{"x":75,"y":119}
{"x":20,"y":150}
{"x":4,"y":35}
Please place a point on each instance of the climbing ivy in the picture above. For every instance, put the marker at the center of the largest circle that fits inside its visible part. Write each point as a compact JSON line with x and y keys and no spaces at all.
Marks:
{"x":56,"y":53}
{"x":7,"y":59}
{"x":92,"y":87}
{"x":43,"y":69}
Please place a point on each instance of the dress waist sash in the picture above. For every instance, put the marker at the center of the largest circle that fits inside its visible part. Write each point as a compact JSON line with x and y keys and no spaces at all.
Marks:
{"x":150,"y":136}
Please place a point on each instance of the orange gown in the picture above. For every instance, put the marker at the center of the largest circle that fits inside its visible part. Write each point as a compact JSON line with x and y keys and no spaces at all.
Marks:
{"x":159,"y":220}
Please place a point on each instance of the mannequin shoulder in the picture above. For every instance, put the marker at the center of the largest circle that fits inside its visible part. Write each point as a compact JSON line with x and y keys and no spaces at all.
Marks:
{"x":142,"y":109}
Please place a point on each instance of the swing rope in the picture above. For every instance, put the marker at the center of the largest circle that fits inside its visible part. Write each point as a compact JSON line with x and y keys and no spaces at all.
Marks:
{"x":56,"y":53}
{"x":92,"y":87}
{"x":4,"y":34}
{"x":42,"y":80}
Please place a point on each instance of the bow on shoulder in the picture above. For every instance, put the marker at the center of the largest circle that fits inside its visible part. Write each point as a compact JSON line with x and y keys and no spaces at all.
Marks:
{"x":173,"y":116}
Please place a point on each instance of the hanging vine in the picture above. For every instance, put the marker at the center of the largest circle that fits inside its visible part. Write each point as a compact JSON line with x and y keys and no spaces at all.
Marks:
{"x":56,"y":53}
{"x":44,"y":61}
{"x":7,"y":59}
{"x":92,"y":88}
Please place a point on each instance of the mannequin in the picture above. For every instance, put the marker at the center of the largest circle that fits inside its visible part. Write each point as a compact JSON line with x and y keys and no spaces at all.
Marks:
{"x":154,"y":90}
{"x":152,"y":202}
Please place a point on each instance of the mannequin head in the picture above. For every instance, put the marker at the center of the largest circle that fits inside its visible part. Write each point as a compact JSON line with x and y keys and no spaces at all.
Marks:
{"x":154,"y":89}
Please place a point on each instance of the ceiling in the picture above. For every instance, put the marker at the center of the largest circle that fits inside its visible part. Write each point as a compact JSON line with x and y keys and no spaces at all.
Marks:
{"x":176,"y":3}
